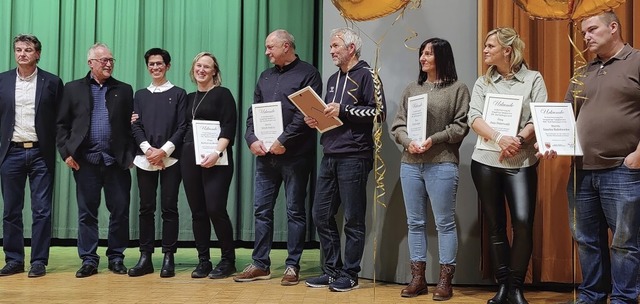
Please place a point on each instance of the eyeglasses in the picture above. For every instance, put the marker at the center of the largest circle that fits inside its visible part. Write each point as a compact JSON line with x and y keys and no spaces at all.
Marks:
{"x":155,"y":64}
{"x":104,"y":61}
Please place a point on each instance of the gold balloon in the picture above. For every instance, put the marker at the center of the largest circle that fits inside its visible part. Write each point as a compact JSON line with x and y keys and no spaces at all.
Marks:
{"x":589,"y":8}
{"x":364,"y":10}
{"x":566,"y":9}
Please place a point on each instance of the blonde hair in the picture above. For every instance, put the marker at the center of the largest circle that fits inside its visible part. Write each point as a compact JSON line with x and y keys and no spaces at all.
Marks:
{"x":508,"y":37}
{"x":217,"y":79}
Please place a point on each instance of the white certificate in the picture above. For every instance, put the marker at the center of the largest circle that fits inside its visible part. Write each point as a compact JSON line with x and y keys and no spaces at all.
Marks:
{"x":417,"y":118}
{"x":267,"y":122}
{"x":555,"y":127}
{"x":205,"y":140}
{"x":502,"y":114}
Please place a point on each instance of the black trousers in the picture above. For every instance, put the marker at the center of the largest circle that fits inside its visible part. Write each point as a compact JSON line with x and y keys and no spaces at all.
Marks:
{"x":518,"y":187}
{"x":207,"y":191}
{"x":170,"y":179}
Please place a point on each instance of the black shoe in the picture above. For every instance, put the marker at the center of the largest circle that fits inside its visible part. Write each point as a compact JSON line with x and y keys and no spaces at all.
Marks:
{"x":86,"y":270}
{"x":144,"y":265}
{"x":515,"y":296}
{"x":223,"y":269}
{"x":12,"y":268}
{"x":202,"y":270}
{"x":168,"y":266}
{"x":37,"y":270}
{"x":501,"y":295}
{"x":117,"y":267}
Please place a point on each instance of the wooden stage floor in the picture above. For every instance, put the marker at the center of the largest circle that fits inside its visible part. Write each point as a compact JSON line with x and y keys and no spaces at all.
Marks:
{"x":61,"y":286}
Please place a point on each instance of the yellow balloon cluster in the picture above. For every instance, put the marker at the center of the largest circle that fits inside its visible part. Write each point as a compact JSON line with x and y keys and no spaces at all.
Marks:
{"x":566,"y":9}
{"x":364,"y":10}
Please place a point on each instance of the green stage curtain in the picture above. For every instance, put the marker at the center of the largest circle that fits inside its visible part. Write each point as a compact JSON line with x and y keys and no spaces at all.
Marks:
{"x":234,"y":31}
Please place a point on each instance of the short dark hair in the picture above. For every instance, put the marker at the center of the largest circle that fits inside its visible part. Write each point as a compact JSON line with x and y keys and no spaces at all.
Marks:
{"x":609,"y":17}
{"x":28,"y":38}
{"x":445,"y":64}
{"x":158,"y":51}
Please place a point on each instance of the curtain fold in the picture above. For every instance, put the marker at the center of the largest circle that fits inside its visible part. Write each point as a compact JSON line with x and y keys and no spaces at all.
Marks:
{"x":549,"y":51}
{"x":234,"y":31}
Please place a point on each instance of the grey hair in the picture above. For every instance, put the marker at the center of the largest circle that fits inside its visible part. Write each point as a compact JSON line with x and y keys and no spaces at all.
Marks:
{"x":284,"y":37}
{"x":92,"y":49}
{"x":349,"y":37}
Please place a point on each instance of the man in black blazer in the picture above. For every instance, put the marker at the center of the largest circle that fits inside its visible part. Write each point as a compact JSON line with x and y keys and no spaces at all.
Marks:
{"x":94,"y":139}
{"x":29,"y":100}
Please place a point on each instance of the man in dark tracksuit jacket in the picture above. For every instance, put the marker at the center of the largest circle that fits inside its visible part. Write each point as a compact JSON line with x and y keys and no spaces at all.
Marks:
{"x":352,"y":95}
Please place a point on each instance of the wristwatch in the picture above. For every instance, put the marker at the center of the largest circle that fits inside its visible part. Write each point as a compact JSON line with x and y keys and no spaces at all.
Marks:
{"x":521,"y":139}
{"x":220,"y":153}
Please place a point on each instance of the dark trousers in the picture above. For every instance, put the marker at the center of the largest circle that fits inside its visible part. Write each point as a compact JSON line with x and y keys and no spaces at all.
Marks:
{"x":342,"y":181}
{"x":90,"y":181}
{"x":19,"y":164}
{"x":170,"y":179}
{"x":207,"y":191}
{"x":519,"y":187}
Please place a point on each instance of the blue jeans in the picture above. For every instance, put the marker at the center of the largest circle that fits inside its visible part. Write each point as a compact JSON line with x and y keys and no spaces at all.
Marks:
{"x":90,"y":180}
{"x":270,"y":173}
{"x":18,"y":164}
{"x":437,"y":183}
{"x":341,"y":180}
{"x":607,"y":199}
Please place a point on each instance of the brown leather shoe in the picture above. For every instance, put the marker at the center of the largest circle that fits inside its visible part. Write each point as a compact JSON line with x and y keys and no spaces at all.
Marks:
{"x":252,"y":273}
{"x":444,"y":290}
{"x":291,"y":277}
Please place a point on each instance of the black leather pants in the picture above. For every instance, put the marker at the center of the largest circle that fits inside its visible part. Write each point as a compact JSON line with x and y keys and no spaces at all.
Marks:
{"x":518,"y":187}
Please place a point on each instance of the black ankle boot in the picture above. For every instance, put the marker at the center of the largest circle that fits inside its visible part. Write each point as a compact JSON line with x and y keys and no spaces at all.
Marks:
{"x":144,"y":266}
{"x":168,"y":266}
{"x":202,"y":270}
{"x":515,"y":296}
{"x":501,"y":295}
{"x":224,"y":269}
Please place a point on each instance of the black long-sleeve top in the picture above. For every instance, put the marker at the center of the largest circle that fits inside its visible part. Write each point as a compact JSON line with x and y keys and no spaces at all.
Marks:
{"x":162,"y":118}
{"x":277,"y":84}
{"x":218,"y":104}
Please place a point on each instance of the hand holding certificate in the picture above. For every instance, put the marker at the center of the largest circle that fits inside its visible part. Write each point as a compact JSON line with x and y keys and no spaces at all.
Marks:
{"x":310,"y":104}
{"x":267,"y":122}
{"x":417,"y":118}
{"x":205,"y":140}
{"x":555,"y":127}
{"x":502,"y":113}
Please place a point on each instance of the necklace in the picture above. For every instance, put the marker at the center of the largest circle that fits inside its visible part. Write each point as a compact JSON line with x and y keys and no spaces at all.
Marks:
{"x":194,"y":109}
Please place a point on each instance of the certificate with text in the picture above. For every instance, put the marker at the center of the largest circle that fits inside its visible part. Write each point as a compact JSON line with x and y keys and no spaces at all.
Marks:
{"x":267,"y":122}
{"x":502,"y":114}
{"x":555,"y":126}
{"x":205,"y":140}
{"x":310,"y":104}
{"x":417,"y":118}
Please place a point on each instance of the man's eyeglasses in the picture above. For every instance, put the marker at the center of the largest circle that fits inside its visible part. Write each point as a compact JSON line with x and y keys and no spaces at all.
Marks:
{"x":104,"y":61}
{"x":155,"y":64}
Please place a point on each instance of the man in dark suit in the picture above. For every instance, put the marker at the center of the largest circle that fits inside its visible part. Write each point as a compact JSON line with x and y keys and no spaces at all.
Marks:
{"x":94,"y":139}
{"x":29,"y":99}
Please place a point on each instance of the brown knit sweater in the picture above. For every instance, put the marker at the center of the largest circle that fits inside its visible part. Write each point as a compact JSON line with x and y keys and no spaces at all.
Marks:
{"x":446,"y":122}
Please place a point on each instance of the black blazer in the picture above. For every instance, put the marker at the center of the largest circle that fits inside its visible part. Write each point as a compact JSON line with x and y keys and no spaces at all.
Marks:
{"x":48,"y":95}
{"x":74,"y":119}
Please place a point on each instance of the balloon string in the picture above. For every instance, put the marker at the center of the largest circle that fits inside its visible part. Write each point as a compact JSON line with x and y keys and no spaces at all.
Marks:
{"x":579,"y":66}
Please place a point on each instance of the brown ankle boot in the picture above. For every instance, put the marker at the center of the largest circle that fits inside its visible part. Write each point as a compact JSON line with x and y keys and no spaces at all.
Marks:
{"x":444,"y":290}
{"x":418,"y":283}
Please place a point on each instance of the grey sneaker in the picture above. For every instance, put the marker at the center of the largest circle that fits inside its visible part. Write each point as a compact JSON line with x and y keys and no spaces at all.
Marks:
{"x":321,"y":281}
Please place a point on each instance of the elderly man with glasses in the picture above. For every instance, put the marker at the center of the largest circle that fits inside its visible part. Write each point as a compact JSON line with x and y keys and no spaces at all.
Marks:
{"x":94,"y":139}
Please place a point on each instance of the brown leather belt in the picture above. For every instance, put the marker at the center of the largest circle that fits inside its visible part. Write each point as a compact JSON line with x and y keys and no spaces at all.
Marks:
{"x":25,"y":144}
